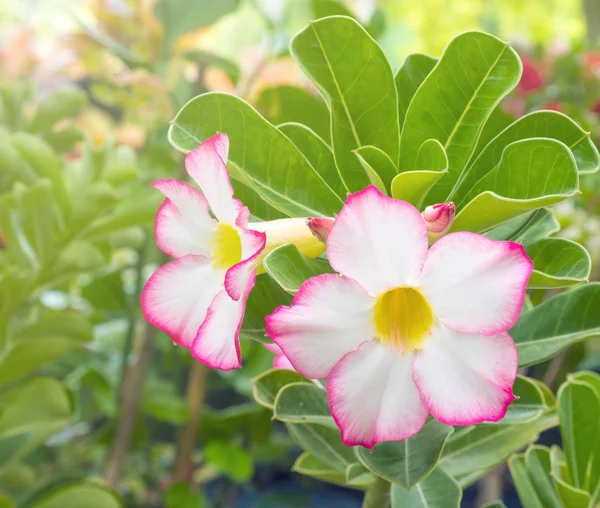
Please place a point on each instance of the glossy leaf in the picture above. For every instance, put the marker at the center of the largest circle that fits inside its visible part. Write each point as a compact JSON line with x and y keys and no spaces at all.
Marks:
{"x":437,"y":490}
{"x":284,"y":104}
{"x":352,"y":73}
{"x":557,"y":323}
{"x":526,"y":227}
{"x":323,"y":442}
{"x":325,"y":8}
{"x":558,"y":263}
{"x":481,"y":447}
{"x":529,"y":406}
{"x":527,"y":494}
{"x":357,"y":474}
{"x":413,"y":71}
{"x":302,"y":403}
{"x":268,"y":384}
{"x":270,"y":162}
{"x":309,"y":465}
{"x":431,"y":165}
{"x":407,"y":462}
{"x":537,"y":461}
{"x":540,"y":124}
{"x":290,"y":268}
{"x":571,"y":496}
{"x":531,"y":174}
{"x":495,"y":124}
{"x":230,"y":459}
{"x":579,"y":413}
{"x":474,"y":73}
{"x":380,"y":169}
{"x":318,"y":154}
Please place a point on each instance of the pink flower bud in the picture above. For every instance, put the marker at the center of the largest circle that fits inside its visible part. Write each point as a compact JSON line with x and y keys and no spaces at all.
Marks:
{"x":320,"y":227}
{"x":439,"y":219}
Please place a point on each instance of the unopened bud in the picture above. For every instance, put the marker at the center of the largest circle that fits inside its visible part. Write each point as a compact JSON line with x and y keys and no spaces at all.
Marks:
{"x":439,"y":219}
{"x":320,"y":227}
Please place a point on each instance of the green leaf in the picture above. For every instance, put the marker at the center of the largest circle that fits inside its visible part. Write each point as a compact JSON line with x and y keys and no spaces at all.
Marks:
{"x":230,"y":459}
{"x":537,"y":460}
{"x":324,"y":443}
{"x":481,"y":447}
{"x":60,"y":104}
{"x":571,"y":496}
{"x":527,"y":227}
{"x":290,"y":268}
{"x":579,"y":414}
{"x":325,"y":8}
{"x":355,"y":78}
{"x":179,"y":17}
{"x":302,"y":403}
{"x":558,"y":263}
{"x":380,"y":169}
{"x":267,"y":385}
{"x":531,"y":174}
{"x":318,"y":154}
{"x":452,"y":105}
{"x":357,"y":474}
{"x":437,"y":490}
{"x":90,"y":495}
{"x":559,"y":322}
{"x":284,"y":104}
{"x":529,"y":406}
{"x":494,"y":504}
{"x":407,"y":462}
{"x":309,"y":465}
{"x":183,"y":495}
{"x":270,"y":162}
{"x":43,"y":341}
{"x":527,"y":493}
{"x":495,"y":124}
{"x":415,"y":68}
{"x":540,"y":124}
{"x":265,"y":297}
{"x":106,"y":292}
{"x":430,"y":166}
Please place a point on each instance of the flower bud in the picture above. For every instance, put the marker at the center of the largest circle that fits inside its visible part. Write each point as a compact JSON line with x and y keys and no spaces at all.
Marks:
{"x":320,"y":227}
{"x":439,"y":219}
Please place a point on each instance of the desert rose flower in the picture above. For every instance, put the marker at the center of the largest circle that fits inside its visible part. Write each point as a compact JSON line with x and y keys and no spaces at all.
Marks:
{"x":407,"y":330}
{"x":280,"y":361}
{"x":320,"y":227}
{"x":199,"y":299}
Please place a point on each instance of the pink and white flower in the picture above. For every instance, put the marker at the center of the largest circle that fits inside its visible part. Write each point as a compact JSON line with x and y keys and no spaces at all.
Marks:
{"x":199,"y":298}
{"x":406,"y":331}
{"x":280,"y":361}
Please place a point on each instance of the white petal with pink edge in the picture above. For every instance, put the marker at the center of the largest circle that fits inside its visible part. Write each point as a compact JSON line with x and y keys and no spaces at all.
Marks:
{"x":373,"y":398}
{"x":474,"y":284}
{"x":238,"y":276}
{"x":329,"y":317}
{"x":217,"y":343}
{"x":466,"y":379}
{"x":177,"y":296}
{"x":379,"y":241}
{"x":183,"y":224}
{"x":206,"y":164}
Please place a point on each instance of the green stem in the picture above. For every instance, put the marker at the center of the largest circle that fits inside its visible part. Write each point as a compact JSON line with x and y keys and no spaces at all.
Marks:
{"x":377,"y":495}
{"x":132,"y":315}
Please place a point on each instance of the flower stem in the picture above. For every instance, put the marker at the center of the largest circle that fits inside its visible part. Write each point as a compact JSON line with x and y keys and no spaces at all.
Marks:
{"x":377,"y":495}
{"x":196,"y":393}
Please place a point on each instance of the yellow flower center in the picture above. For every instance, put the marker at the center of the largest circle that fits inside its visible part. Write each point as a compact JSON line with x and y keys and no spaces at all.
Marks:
{"x":403,"y":318}
{"x":227,"y":247}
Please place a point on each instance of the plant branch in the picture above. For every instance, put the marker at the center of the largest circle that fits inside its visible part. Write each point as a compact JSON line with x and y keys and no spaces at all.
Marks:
{"x":195,"y":395}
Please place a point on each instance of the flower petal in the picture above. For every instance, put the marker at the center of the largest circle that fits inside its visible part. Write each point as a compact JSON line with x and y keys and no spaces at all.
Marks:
{"x":217,"y":343}
{"x":373,"y":398}
{"x":280,"y":361}
{"x":183,"y":225}
{"x":329,"y":317}
{"x":237,"y":277}
{"x":466,"y":379}
{"x":474,"y":284}
{"x":177,"y":297}
{"x":379,"y":241}
{"x":206,"y":164}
